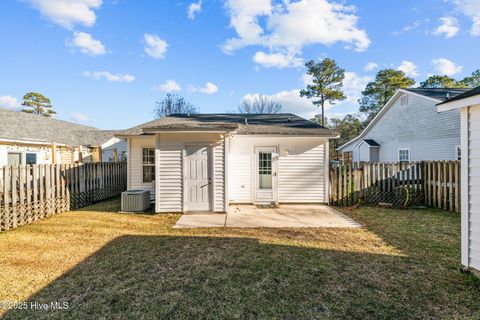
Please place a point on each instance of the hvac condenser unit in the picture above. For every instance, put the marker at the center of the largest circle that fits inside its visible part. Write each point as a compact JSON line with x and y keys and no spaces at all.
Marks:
{"x":135,"y":200}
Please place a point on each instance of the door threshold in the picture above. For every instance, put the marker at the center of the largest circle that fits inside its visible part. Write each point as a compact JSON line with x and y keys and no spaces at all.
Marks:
{"x":200,"y":212}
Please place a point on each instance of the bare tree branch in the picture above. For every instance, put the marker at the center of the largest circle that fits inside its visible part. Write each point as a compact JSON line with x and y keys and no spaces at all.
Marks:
{"x":260,"y":104}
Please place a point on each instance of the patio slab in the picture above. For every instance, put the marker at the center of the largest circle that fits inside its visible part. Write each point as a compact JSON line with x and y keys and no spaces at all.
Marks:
{"x":205,"y":220}
{"x":285,"y":216}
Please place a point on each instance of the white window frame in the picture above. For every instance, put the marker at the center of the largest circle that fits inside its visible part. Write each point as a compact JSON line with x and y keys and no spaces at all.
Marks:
{"x":458,"y":152}
{"x":148,"y":165}
{"x":404,"y":149}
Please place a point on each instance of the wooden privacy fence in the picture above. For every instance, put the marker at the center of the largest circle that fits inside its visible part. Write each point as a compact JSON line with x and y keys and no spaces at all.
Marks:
{"x":30,"y":193}
{"x":428,"y":183}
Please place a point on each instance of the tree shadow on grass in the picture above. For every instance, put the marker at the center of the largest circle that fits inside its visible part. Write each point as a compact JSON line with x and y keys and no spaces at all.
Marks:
{"x":182,"y":277}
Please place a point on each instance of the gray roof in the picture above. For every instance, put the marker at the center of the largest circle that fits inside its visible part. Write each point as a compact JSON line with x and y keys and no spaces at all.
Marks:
{"x":278,"y":124}
{"x":467,"y":94}
{"x":17,"y":125}
{"x":371,"y":142}
{"x":441,"y":94}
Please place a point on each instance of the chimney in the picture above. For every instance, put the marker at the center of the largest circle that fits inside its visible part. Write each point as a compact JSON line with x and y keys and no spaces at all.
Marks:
{"x":246,"y":121}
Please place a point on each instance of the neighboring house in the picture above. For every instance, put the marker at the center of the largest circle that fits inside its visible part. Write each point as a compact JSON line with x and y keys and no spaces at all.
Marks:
{"x":205,"y":162}
{"x":468,"y":104}
{"x":34,"y":139}
{"x":409,"y":128}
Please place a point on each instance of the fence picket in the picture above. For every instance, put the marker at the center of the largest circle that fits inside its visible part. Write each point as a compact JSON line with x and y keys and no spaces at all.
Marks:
{"x":429,"y":183}
{"x":29,"y":193}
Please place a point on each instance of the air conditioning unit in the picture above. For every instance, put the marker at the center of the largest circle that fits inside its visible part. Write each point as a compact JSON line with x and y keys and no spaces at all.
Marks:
{"x":135,"y":200}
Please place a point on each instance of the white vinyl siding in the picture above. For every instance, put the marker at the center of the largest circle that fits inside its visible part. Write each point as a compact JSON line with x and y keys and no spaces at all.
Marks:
{"x":135,"y":160}
{"x":169,"y":179}
{"x":218,"y":177}
{"x":301,"y":168}
{"x":474,"y":186}
{"x":301,"y":176}
{"x":430,"y":135}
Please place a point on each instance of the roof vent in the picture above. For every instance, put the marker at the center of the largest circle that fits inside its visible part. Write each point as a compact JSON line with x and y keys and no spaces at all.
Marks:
{"x":448,"y":95}
{"x":246,"y":121}
{"x":289,"y":119}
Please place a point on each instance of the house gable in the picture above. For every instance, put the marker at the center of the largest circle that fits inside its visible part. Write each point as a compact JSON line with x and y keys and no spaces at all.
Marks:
{"x":411,"y":123}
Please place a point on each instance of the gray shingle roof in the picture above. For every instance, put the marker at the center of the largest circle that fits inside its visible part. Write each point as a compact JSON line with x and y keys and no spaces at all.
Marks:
{"x":280,"y":123}
{"x":441,"y":94}
{"x":23,"y":126}
{"x":371,"y":142}
{"x":467,"y":94}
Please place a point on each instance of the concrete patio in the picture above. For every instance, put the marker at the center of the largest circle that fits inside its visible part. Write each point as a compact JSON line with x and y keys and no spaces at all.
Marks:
{"x":285,"y":216}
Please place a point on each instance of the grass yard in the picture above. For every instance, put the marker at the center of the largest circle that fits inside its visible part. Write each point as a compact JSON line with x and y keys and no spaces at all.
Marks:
{"x":403,"y":264}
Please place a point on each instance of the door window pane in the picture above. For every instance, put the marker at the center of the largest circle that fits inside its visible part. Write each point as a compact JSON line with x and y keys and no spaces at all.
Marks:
{"x":265,"y":170}
{"x":148,"y":165}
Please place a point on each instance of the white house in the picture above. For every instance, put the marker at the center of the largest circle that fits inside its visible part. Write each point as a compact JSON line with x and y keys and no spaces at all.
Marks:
{"x":34,"y":139}
{"x":468,"y":104}
{"x":409,"y":128}
{"x":205,"y":162}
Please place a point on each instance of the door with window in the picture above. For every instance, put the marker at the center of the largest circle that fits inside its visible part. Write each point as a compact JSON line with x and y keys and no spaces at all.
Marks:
{"x":265,"y":175}
{"x":198,"y":178}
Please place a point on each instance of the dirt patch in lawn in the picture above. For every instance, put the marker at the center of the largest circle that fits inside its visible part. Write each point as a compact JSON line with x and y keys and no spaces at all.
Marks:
{"x":403,"y":264}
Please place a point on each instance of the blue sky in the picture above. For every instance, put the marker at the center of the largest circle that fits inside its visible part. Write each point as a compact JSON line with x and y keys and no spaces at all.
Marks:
{"x":105,"y":63}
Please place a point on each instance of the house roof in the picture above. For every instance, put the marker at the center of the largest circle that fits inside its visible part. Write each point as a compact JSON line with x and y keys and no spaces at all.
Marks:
{"x":466,"y":94}
{"x":440,"y":94}
{"x":371,"y":142}
{"x":434,"y":94}
{"x":16,"y":125}
{"x":277,"y":124}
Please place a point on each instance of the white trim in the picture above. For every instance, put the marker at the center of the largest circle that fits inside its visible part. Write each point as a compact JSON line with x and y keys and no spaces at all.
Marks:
{"x":129,"y":164}
{"x":382,"y":111}
{"x":464,"y":171}
{"x":327,"y":171}
{"x":458,"y":104}
{"x":403,"y":149}
{"x":226,"y":168}
{"x":157,"y":173}
{"x":19,"y":141}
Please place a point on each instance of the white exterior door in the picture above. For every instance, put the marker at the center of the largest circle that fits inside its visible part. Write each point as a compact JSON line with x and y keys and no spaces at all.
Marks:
{"x":265,"y":175}
{"x":197,"y":178}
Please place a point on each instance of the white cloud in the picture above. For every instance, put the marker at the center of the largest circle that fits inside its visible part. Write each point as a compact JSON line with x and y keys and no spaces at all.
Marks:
{"x":471,"y":8}
{"x":68,"y":13}
{"x":193,"y":9}
{"x":170,"y":86}
{"x":371,"y":66}
{"x":209,"y":88}
{"x":154,"y":46}
{"x":9,"y":102}
{"x":87,"y":44}
{"x":449,"y":27}
{"x":117,"y":77}
{"x":409,"y":68}
{"x":276,"y":60}
{"x":353,"y":84}
{"x":289,"y":26}
{"x":80,"y":117}
{"x":408,"y":28}
{"x":446,"y":67}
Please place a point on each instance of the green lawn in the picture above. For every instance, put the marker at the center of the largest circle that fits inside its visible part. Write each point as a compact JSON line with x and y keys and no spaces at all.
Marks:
{"x":403,"y":264}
